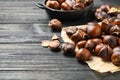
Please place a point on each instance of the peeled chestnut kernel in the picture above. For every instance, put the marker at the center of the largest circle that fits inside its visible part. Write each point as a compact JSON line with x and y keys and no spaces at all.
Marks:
{"x":117,"y":21}
{"x":105,"y":7}
{"x":116,"y":58}
{"x":65,"y":6}
{"x":115,"y":30}
{"x":97,"y":41}
{"x":78,"y":6}
{"x":83,"y":54}
{"x":68,"y":48}
{"x":71,"y":31}
{"x":116,"y":49}
{"x":110,"y":40}
{"x":101,"y":15}
{"x":98,"y":48}
{"x":81,"y":44}
{"x":93,"y":30}
{"x":90,"y":45}
{"x":55,"y":24}
{"x":105,"y":53}
{"x":53,"y":4}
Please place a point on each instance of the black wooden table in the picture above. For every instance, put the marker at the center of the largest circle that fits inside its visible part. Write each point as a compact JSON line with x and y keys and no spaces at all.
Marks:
{"x":22,"y":27}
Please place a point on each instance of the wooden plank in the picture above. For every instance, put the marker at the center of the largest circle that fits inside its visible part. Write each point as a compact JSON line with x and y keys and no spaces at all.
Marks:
{"x":34,"y":57}
{"x":28,"y":10}
{"x":12,"y":33}
{"x":23,"y":17}
{"x":47,"y":75}
{"x":21,"y":0}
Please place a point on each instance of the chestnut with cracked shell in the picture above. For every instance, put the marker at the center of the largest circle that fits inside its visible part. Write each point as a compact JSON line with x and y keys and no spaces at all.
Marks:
{"x":68,"y":49}
{"x":98,"y":48}
{"x":70,"y":31}
{"x":105,"y":52}
{"x":101,"y":15}
{"x":78,"y":6}
{"x":90,"y":45}
{"x":65,"y":6}
{"x":83,"y":54}
{"x":81,"y":44}
{"x":55,"y":24}
{"x":53,"y":4}
{"x":115,"y":58}
{"x":105,"y":7}
{"x":93,"y":30}
{"x":110,"y":40}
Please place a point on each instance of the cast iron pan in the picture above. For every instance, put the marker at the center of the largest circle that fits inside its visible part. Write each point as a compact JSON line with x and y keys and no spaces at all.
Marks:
{"x":66,"y":15}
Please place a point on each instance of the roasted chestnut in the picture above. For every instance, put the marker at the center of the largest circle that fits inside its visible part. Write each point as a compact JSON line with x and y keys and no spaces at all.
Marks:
{"x":68,"y":49}
{"x":71,"y":31}
{"x":83,"y":54}
{"x":116,"y":56}
{"x":90,"y":45}
{"x":53,"y":4}
{"x":116,"y":49}
{"x":110,"y":40}
{"x":81,"y":44}
{"x":101,"y":15}
{"x":78,"y":6}
{"x":105,"y":26}
{"x":105,"y":53}
{"x":105,"y":7}
{"x":98,"y":48}
{"x":117,"y":21}
{"x":66,"y":6}
{"x":76,"y":37}
{"x":61,"y":1}
{"x":93,"y":30}
{"x":115,"y":30}
{"x":97,"y":41}
{"x":79,"y":35}
{"x":55,"y":24}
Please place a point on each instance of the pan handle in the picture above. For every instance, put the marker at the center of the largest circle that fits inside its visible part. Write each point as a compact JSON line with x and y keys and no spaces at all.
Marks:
{"x":40,"y":5}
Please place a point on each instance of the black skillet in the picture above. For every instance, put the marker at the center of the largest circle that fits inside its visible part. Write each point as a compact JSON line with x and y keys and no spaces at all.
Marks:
{"x":66,"y":15}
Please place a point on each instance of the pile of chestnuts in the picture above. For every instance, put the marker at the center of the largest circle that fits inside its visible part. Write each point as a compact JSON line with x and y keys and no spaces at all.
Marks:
{"x":68,"y":4}
{"x":106,"y":11}
{"x":99,"y":39}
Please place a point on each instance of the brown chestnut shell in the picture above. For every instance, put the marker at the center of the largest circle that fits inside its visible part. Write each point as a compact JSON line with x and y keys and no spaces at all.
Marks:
{"x":106,"y":52}
{"x":115,"y":58}
{"x":68,"y":49}
{"x":110,"y":40}
{"x":93,"y":30}
{"x":83,"y":54}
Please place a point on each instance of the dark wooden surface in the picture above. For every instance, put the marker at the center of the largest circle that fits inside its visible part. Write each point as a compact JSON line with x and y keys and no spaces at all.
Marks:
{"x":22,"y":27}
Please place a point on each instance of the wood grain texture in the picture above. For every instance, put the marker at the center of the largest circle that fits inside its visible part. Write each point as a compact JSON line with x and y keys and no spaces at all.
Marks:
{"x":22,"y":27}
